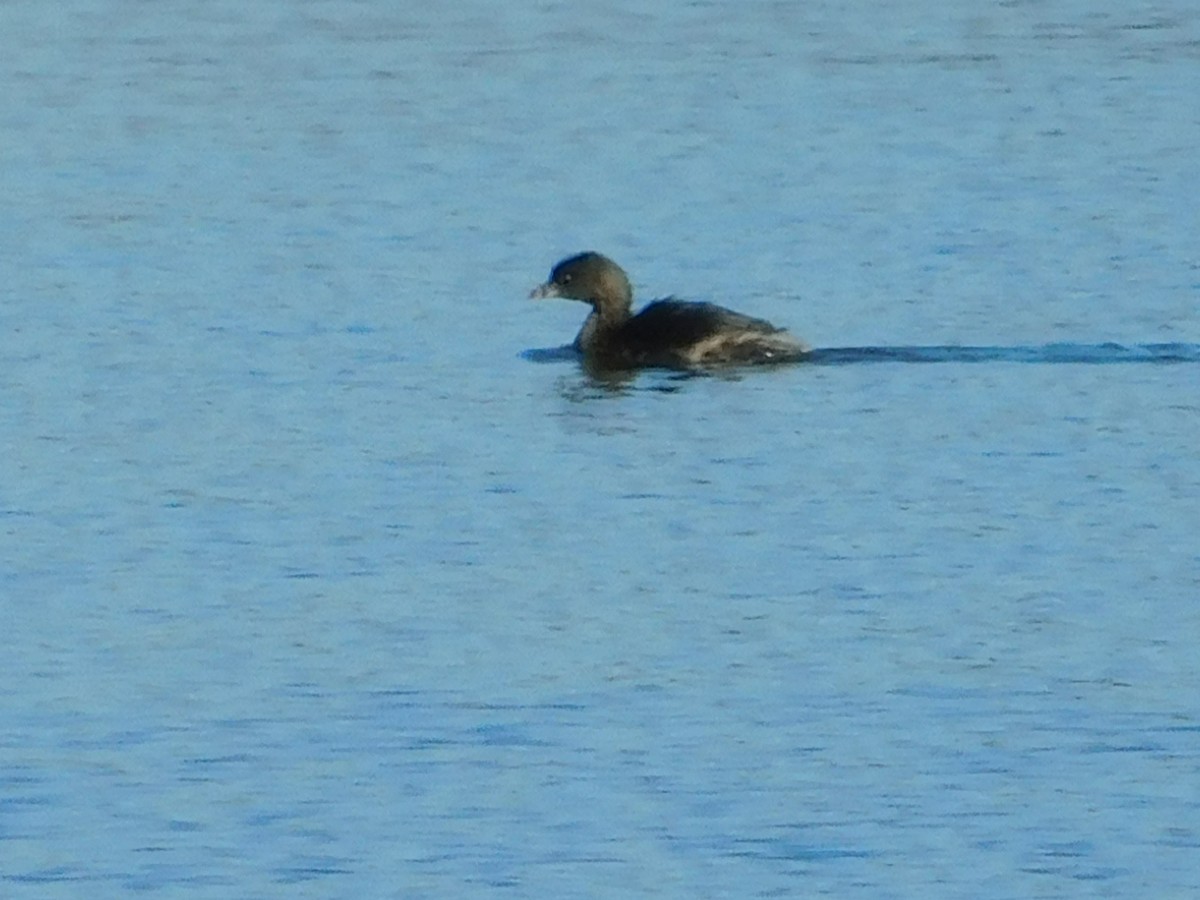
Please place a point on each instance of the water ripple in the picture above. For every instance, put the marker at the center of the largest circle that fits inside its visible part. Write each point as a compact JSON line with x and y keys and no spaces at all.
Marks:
{"x":1087,"y":354}
{"x":1079,"y":354}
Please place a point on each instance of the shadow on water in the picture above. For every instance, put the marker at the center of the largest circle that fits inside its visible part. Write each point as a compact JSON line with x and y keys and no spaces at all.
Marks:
{"x":1078,"y":354}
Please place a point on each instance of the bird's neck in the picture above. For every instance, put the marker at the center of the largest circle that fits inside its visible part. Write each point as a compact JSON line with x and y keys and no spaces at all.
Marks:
{"x":604,"y":319}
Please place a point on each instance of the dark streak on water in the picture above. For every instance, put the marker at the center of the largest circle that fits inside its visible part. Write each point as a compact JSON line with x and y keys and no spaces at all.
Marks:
{"x":1086,"y":354}
{"x":1079,"y":354}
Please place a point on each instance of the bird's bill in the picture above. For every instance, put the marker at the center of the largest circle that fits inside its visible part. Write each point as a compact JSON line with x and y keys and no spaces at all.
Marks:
{"x":545,"y":291}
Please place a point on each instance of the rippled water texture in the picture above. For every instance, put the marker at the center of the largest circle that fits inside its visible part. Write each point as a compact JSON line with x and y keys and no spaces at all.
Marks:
{"x":325,"y":570}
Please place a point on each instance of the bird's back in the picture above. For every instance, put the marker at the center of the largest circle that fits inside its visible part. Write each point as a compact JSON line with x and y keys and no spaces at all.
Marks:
{"x":676,"y":332}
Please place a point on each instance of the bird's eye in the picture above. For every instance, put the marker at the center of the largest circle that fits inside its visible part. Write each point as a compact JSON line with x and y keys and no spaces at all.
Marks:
{"x":565,"y":278}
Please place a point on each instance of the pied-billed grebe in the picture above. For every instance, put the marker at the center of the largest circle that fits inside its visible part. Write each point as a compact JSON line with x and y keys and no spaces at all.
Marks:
{"x":667,"y":333}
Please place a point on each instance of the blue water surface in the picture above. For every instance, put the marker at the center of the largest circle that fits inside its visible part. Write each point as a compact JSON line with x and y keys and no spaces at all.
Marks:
{"x":325,"y":571}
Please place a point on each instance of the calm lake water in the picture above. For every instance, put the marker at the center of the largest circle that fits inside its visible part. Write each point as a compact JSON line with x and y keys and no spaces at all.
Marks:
{"x":324,"y":573}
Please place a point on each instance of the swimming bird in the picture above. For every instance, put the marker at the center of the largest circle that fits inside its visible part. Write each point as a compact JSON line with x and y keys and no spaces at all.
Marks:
{"x":669,"y":333}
